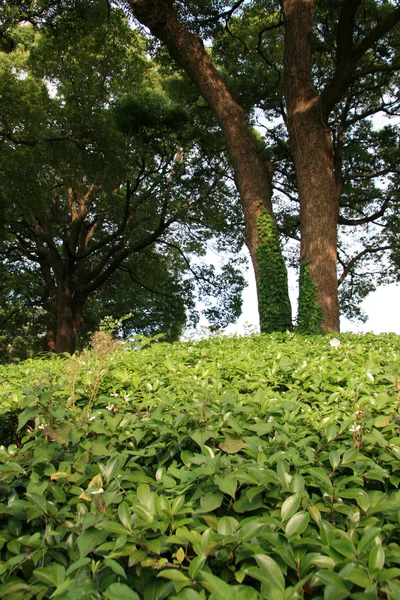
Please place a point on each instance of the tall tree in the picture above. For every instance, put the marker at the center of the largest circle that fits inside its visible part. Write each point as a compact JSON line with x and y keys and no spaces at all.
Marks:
{"x":250,"y":49}
{"x":308,"y":111}
{"x":252,"y":174}
{"x":93,"y":177}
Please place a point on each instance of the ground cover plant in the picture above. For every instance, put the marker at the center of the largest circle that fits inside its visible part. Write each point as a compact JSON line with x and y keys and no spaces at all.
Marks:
{"x":261,"y":467}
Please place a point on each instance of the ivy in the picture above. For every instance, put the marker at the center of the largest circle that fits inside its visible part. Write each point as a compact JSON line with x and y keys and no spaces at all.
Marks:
{"x":273,"y":295}
{"x":310,"y":318}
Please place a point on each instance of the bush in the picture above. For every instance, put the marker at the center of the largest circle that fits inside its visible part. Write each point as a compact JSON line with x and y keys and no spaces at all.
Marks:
{"x":265,"y":467}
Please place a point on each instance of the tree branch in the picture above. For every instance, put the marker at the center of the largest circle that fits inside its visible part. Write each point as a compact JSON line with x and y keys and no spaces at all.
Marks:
{"x":347,"y":269}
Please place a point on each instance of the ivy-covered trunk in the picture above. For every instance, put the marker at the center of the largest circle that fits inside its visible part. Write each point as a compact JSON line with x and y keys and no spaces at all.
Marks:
{"x":312,"y":150}
{"x":252,"y":175}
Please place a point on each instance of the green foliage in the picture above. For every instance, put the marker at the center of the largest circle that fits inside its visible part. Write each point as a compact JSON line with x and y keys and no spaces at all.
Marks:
{"x":310,"y":317}
{"x":265,"y":467}
{"x":273,"y":298}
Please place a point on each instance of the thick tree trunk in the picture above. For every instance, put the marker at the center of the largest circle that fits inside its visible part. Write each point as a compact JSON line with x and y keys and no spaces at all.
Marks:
{"x":69,"y":317}
{"x":253,"y":177}
{"x":312,"y":150}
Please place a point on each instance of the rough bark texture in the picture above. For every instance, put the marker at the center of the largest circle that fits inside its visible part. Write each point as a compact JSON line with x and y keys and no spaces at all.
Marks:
{"x":312,"y":150}
{"x":253,"y":177}
{"x":69,"y":317}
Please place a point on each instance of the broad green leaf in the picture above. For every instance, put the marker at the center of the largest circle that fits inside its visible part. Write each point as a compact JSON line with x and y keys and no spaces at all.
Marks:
{"x":196,"y":566}
{"x":173,"y":575}
{"x":225,"y":526}
{"x":290,"y":506}
{"x":359,"y":576}
{"x":210,"y":502}
{"x":28,"y":413}
{"x":90,"y":539}
{"x":124,"y":514}
{"x":376,"y":559}
{"x":111,"y":468}
{"x":219,"y":589}
{"x":297,"y":524}
{"x":271,"y":569}
{"x":227,"y":484}
{"x":120,"y":591}
{"x":115,"y":566}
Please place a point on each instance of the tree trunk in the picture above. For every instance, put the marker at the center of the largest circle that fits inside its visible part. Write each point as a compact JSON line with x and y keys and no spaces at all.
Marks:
{"x":69,"y":317}
{"x":253,"y":177}
{"x":312,"y":151}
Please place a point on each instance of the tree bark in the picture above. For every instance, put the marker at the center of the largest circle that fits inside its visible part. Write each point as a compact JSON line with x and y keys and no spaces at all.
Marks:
{"x":312,"y":149}
{"x":252,"y":175}
{"x":69,"y":317}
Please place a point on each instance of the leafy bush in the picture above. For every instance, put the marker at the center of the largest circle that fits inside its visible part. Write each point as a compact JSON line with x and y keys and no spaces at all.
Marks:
{"x":265,"y":467}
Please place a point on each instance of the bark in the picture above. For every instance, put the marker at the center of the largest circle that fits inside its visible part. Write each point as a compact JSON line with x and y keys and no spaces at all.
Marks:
{"x":252,"y":175}
{"x":69,"y":317}
{"x":312,"y":150}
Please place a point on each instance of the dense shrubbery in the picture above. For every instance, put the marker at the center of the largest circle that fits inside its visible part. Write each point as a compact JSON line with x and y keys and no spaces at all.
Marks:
{"x":265,"y":467}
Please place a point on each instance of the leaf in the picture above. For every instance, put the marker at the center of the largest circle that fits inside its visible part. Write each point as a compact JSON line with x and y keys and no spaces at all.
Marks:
{"x":26,"y":415}
{"x":115,"y":566}
{"x":271,"y":569}
{"x":210,"y":502}
{"x":111,"y":468}
{"x":227,"y":484}
{"x":225,"y":526}
{"x":124,"y":514}
{"x":382,"y":421}
{"x":90,"y":539}
{"x":196,"y":565}
{"x":173,"y":575}
{"x":120,"y":591}
{"x":232,"y":445}
{"x":180,"y":555}
{"x":290,"y":506}
{"x":53,"y":575}
{"x":358,"y":576}
{"x":376,"y":559}
{"x":297,"y":524}
{"x":215,"y":585}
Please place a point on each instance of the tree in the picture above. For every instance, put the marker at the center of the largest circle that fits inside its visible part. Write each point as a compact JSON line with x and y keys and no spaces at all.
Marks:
{"x":338,"y":157}
{"x":100,"y":183}
{"x":252,"y":174}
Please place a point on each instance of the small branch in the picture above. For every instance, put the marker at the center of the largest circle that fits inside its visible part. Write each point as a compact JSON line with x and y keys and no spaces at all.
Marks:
{"x":357,"y":257}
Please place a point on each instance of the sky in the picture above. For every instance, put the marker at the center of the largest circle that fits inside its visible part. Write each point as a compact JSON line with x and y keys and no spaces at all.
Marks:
{"x":382,"y":308}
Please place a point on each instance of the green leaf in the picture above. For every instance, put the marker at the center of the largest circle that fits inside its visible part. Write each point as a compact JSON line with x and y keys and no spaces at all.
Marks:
{"x":225,"y":526}
{"x":271,"y":569}
{"x":196,"y":565}
{"x":90,"y":539}
{"x":124,"y":514}
{"x":120,"y":591}
{"x":227,"y":484}
{"x":210,"y":502}
{"x":297,"y":524}
{"x":26,"y":415}
{"x":290,"y":506}
{"x":53,"y":575}
{"x":215,"y":585}
{"x":376,"y":559}
{"x":115,"y":566}
{"x":111,"y":468}
{"x":173,"y":575}
{"x":358,"y":576}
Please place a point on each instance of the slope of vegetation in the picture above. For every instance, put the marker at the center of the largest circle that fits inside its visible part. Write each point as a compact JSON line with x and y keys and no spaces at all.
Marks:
{"x":262,"y":467}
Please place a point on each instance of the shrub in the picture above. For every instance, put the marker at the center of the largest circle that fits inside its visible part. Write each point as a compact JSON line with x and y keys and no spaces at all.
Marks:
{"x":265,"y":467}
